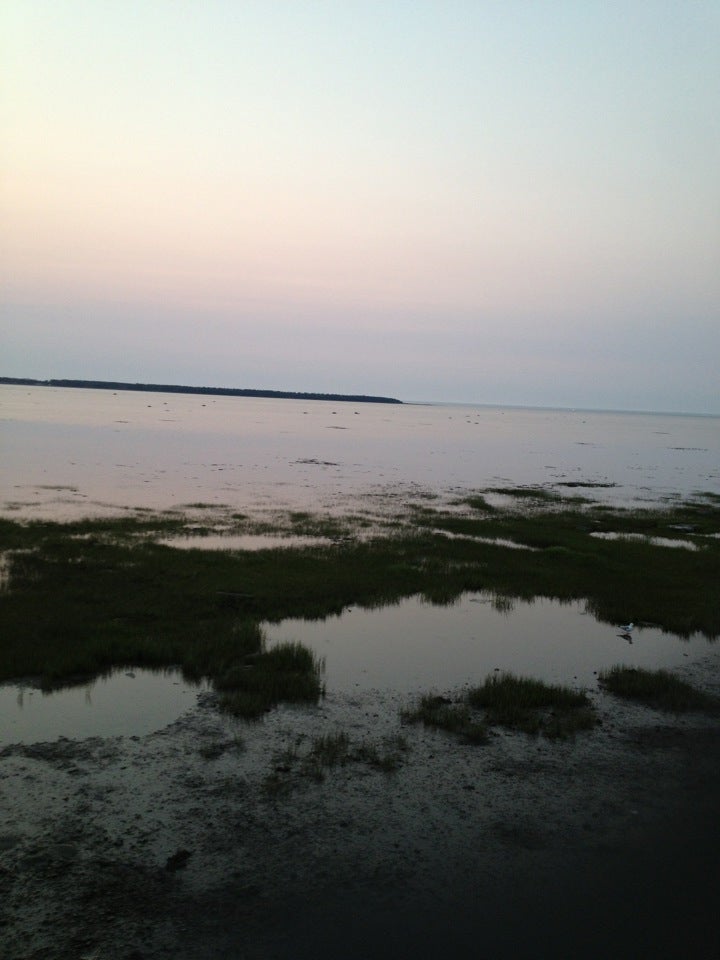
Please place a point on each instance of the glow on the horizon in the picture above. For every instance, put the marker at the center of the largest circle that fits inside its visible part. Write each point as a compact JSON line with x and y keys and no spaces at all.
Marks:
{"x":476,"y":199}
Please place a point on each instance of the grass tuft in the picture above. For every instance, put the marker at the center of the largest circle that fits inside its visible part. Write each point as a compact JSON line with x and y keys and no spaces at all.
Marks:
{"x":300,"y":762}
{"x":330,"y":750}
{"x":523,"y":703}
{"x":518,"y":703}
{"x":505,"y":691}
{"x":658,"y":688}
{"x":443,"y":714}
{"x":387,"y":757}
{"x":287,"y":673}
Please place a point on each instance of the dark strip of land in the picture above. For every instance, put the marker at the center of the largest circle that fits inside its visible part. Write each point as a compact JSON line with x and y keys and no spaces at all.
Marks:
{"x":209,"y":391}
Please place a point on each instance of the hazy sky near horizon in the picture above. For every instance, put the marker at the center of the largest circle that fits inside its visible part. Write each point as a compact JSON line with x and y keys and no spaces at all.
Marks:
{"x":461,"y":200}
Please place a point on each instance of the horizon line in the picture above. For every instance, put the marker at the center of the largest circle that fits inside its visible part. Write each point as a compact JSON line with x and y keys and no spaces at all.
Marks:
{"x":272,"y":393}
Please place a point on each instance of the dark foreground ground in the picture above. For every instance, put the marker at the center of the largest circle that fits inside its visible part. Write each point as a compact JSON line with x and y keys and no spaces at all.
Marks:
{"x":207,"y":840}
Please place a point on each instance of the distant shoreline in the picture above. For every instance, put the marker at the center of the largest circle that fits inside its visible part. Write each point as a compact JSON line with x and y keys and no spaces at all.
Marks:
{"x":205,"y":391}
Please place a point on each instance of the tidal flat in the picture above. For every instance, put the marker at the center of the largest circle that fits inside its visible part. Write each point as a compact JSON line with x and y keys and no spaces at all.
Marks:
{"x":281,"y":819}
{"x":84,"y":597}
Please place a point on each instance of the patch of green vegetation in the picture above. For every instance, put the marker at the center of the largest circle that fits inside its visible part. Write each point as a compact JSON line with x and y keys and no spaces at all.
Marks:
{"x":620,"y":579}
{"x":288,"y":673}
{"x":501,"y":604}
{"x":541,"y":494}
{"x":523,"y":703}
{"x":301,"y":761}
{"x":386,"y":756}
{"x":442,"y":714}
{"x":310,"y":525}
{"x":330,"y":750}
{"x":585,"y":484}
{"x":111,"y":530}
{"x":81,"y":603}
{"x":479,"y":503}
{"x":86,"y":597}
{"x":517,"y":703}
{"x":658,"y":688}
{"x":201,"y":505}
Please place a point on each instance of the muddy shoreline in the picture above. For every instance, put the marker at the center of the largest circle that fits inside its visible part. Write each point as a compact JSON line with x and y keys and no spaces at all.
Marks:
{"x":203,"y":840}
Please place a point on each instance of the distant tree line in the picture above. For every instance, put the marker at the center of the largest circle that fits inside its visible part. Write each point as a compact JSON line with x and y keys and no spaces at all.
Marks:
{"x":208,"y":391}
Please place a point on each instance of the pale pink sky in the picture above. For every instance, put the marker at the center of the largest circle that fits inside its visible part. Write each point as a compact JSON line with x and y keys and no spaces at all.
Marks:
{"x":492,"y":202}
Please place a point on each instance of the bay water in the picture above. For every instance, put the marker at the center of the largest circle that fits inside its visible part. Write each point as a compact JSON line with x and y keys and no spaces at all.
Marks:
{"x":68,"y":453}
{"x":73,"y":452}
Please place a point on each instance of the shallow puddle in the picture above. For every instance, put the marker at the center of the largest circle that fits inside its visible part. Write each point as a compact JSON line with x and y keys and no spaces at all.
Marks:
{"x":406,"y":648}
{"x":653,"y":541}
{"x":247,"y":541}
{"x":495,"y":541}
{"x":415,"y":646}
{"x":126,"y":703}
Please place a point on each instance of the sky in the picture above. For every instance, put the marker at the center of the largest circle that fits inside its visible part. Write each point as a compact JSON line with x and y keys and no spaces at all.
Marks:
{"x":512,"y":202}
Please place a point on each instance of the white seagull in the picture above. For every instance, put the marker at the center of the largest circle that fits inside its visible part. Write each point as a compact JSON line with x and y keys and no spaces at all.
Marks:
{"x":627,"y":627}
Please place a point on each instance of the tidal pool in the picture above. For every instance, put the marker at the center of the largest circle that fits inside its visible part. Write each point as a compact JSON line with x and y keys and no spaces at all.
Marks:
{"x":243,"y":541}
{"x":125,"y":703}
{"x":642,"y":538}
{"x":407,"y":648}
{"x":415,"y":646}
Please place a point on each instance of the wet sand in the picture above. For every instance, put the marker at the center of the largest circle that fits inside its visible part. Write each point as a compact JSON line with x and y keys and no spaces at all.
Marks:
{"x":190,"y":844}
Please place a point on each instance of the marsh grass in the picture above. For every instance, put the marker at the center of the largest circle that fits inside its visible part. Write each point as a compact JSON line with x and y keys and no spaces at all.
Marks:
{"x":302,"y":760}
{"x":330,"y":750}
{"x":517,"y":703}
{"x":657,"y":688}
{"x":301,"y":523}
{"x":479,"y":502}
{"x":288,"y":673}
{"x":536,"y":494}
{"x":527,"y":704}
{"x":386,"y":756}
{"x":505,"y":692}
{"x":86,"y":597}
{"x":620,"y":579}
{"x":441,"y":713}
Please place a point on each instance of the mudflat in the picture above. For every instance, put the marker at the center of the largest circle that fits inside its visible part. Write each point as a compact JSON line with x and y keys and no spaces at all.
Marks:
{"x":214,"y":838}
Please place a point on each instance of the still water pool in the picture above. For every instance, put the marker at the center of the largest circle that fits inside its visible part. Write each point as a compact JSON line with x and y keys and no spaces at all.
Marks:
{"x":409,"y":648}
{"x":414,"y":646}
{"x":126,"y":703}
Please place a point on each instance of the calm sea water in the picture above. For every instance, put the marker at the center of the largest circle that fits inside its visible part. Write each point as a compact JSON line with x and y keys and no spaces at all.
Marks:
{"x":70,"y":452}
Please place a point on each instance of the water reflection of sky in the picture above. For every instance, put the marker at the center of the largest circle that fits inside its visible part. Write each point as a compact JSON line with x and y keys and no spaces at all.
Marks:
{"x":127,"y":703}
{"x":415,"y":646}
{"x":408,"y":648}
{"x":246,"y":541}
{"x":66,"y":451}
